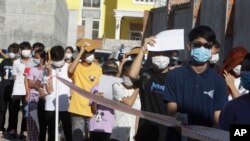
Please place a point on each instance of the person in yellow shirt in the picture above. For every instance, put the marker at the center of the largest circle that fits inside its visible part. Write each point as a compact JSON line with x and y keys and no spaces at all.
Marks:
{"x":85,"y":74}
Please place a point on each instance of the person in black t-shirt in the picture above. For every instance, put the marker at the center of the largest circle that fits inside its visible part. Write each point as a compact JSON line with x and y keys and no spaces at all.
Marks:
{"x":151,"y":81}
{"x":6,"y":84}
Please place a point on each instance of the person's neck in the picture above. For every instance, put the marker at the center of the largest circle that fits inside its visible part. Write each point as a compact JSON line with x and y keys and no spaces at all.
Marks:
{"x":165,"y":70}
{"x":200,"y":69}
{"x":86,"y":64}
{"x":25,"y":59}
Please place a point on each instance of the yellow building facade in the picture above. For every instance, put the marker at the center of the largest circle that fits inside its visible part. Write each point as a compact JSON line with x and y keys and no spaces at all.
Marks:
{"x":116,"y":19}
{"x":123,"y":19}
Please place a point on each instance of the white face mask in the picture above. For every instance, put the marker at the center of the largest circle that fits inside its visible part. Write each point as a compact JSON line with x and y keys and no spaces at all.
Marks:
{"x":58,"y":64}
{"x":175,"y":58}
{"x":161,"y":62}
{"x":214,"y":58}
{"x":127,"y":81}
{"x":68,"y":55}
{"x":26,"y":53}
{"x":12,"y":55}
{"x":90,"y":58}
{"x":37,"y":61}
{"x":237,"y":70}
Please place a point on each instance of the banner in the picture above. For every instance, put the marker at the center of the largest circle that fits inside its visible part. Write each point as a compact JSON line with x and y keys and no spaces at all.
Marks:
{"x":192,"y":131}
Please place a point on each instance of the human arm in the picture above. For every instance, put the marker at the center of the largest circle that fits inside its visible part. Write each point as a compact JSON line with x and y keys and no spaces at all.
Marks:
{"x":3,"y":54}
{"x":220,"y":98}
{"x":230,"y":83}
{"x":170,"y":95}
{"x":136,"y":65}
{"x":131,"y":99}
{"x":76,"y":61}
{"x":49,"y":84}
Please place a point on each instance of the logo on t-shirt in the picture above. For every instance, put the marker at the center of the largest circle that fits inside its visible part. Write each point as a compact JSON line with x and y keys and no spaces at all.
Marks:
{"x":157,"y":87}
{"x":209,"y":93}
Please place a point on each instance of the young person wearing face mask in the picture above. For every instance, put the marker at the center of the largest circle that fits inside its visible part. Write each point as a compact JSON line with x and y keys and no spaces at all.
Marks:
{"x":152,"y":85}
{"x":102,"y":121}
{"x":237,"y":110}
{"x":21,"y":68}
{"x":69,"y":54}
{"x":58,"y":68}
{"x":195,"y":89}
{"x":85,"y":74}
{"x":6,"y":85}
{"x":35,"y":47}
{"x":215,"y":56}
{"x":126,"y":93}
{"x":33,"y":98}
{"x":231,"y":70}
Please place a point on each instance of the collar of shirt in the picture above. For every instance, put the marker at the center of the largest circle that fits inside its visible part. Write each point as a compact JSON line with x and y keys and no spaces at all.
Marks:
{"x":190,"y":71}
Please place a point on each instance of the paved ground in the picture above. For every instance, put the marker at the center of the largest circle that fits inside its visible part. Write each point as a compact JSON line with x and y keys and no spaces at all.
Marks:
{"x":19,"y":127}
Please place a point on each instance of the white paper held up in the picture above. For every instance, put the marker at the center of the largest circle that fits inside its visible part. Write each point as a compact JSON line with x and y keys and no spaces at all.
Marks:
{"x":168,"y":40}
{"x":105,"y":85}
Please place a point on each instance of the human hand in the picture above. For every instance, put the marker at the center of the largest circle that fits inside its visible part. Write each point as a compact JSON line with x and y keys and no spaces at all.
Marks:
{"x":150,"y":41}
{"x":229,"y":78}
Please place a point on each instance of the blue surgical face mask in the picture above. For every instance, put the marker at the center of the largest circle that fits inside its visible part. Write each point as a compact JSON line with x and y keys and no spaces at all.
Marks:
{"x":201,"y":54}
{"x":245,"y":80}
{"x":37,"y":61}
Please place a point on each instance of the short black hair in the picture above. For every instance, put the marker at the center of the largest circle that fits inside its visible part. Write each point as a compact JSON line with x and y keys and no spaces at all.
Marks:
{"x":70,"y":48}
{"x":42,"y":53}
{"x":57,"y":53}
{"x":202,"y":31}
{"x":25,"y":45}
{"x":14,"y":47}
{"x":110,"y":67}
{"x":246,"y":63}
{"x":216,"y":44}
{"x":38,"y":45}
{"x":126,"y":67}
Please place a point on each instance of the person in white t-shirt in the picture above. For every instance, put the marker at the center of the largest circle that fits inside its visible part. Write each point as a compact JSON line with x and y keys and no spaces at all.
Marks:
{"x":60,"y":69}
{"x":128,"y":94}
{"x":20,"y":66}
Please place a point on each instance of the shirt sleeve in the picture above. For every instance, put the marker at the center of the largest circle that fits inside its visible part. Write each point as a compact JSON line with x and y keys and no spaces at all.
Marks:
{"x":226,"y":116}
{"x":220,"y":95}
{"x":170,"y":93}
{"x":14,"y":71}
{"x":30,"y":75}
{"x":118,"y":93}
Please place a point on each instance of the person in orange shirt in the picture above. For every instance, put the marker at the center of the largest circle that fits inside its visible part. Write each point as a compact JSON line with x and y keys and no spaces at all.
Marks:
{"x":85,"y":74}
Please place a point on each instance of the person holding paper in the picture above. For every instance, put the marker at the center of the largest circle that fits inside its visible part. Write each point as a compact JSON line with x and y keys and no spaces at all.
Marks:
{"x":126,"y":93}
{"x":195,"y":89}
{"x":85,"y":74}
{"x":152,"y":87}
{"x":101,"y":123}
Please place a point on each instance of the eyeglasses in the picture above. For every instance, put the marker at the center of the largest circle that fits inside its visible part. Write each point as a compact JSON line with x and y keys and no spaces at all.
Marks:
{"x":198,"y":45}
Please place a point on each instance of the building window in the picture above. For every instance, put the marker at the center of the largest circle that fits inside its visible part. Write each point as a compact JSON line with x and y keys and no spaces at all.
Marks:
{"x":91,"y":3}
{"x":83,"y":22}
{"x":135,"y":31}
{"x":144,"y":1}
{"x":135,"y":35}
{"x":95,"y":29}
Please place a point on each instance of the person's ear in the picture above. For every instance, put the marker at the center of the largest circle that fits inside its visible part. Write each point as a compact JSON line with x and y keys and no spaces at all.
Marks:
{"x":189,"y":46}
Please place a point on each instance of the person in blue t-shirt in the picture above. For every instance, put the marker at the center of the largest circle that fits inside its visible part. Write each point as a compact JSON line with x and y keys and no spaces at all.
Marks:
{"x":237,"y":110}
{"x":195,"y":89}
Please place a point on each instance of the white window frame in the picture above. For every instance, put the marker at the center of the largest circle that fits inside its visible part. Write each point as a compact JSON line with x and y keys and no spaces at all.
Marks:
{"x":84,"y":7}
{"x":98,"y":20}
{"x":143,"y":2}
{"x":133,"y":31}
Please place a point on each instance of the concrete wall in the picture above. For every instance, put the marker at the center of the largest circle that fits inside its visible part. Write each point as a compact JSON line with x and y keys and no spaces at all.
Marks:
{"x":72,"y":28}
{"x":45,"y":21}
{"x":115,"y":45}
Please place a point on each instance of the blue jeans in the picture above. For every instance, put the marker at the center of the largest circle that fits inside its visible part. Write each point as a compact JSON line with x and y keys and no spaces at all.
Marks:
{"x":80,"y":127}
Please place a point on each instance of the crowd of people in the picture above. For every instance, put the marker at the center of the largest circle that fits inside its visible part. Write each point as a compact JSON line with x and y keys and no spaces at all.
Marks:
{"x":198,"y":89}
